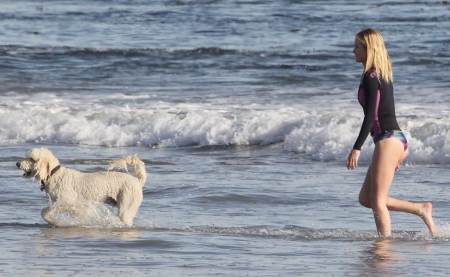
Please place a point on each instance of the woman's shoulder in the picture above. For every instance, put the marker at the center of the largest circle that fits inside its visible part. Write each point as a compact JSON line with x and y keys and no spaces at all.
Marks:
{"x":371,"y":77}
{"x":372,"y":74}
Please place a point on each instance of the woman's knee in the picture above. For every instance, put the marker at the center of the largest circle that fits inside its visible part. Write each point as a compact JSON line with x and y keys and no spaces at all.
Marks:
{"x":377,"y":204}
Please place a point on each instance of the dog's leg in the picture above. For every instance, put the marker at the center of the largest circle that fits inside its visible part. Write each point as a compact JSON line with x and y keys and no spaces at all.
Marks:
{"x":128,"y":208}
{"x":45,"y":213}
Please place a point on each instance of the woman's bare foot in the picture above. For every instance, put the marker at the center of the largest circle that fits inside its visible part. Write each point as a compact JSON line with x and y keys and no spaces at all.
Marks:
{"x":427,"y":216}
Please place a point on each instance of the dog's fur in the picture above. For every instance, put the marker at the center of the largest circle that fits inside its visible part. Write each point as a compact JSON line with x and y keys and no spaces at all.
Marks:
{"x":115,"y":188}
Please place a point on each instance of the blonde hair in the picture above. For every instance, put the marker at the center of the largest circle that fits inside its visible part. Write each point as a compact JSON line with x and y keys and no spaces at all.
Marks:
{"x":377,"y":55}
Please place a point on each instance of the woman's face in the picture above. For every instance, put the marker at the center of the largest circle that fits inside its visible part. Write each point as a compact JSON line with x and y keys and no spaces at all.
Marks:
{"x":360,"y":52}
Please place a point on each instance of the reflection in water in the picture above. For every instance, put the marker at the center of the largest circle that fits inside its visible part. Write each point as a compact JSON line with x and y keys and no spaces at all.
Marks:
{"x":383,"y":253}
{"x":382,"y":258}
{"x":52,"y":241}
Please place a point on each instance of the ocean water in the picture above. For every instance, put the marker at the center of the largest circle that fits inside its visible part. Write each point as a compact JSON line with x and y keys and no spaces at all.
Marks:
{"x":244,"y":113}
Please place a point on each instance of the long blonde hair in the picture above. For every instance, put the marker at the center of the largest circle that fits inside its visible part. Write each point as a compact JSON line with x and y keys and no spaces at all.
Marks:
{"x":377,"y":55}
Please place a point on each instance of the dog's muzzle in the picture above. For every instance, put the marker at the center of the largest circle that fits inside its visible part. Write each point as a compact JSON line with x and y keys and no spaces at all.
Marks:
{"x":27,"y":172}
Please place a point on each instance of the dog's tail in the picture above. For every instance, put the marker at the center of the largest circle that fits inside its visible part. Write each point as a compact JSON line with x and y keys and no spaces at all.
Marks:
{"x":133,"y":160}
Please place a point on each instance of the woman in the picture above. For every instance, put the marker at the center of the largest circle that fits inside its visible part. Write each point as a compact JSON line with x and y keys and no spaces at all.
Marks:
{"x":376,"y":96}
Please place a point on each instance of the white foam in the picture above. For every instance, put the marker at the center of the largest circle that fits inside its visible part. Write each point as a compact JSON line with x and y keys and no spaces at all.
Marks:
{"x":323,"y":134}
{"x":297,"y":232}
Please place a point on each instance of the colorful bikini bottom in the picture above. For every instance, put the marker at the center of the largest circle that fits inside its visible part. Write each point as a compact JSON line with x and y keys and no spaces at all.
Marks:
{"x":389,"y":134}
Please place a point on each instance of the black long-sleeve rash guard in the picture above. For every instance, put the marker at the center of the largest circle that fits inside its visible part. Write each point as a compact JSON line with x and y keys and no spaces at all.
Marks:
{"x":376,"y":96}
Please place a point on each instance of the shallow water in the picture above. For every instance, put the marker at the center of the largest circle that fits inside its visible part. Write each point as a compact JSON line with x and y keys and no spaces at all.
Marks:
{"x":228,"y":212}
{"x":244,"y":113}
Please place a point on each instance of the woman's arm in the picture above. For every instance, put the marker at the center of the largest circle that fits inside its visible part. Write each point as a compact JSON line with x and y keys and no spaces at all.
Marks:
{"x":372,"y":99}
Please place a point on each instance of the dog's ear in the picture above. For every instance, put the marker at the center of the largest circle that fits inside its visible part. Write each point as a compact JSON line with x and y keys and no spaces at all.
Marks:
{"x":45,"y":162}
{"x":42,"y":169}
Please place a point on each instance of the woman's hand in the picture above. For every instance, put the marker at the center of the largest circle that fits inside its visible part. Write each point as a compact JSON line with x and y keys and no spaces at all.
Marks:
{"x":352,"y":161}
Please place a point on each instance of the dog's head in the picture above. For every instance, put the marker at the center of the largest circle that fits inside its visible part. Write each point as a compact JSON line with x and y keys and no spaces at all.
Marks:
{"x":39,"y":164}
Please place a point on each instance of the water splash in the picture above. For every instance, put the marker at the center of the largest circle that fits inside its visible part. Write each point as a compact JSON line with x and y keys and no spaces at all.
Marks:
{"x":442,"y":231}
{"x":81,"y":213}
{"x":292,"y":232}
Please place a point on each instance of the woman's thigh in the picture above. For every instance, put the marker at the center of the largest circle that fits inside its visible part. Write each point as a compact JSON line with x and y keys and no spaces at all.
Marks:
{"x":387,"y":155}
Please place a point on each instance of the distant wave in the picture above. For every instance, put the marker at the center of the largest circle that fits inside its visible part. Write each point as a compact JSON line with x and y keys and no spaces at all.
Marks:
{"x":57,"y":51}
{"x":74,"y":51}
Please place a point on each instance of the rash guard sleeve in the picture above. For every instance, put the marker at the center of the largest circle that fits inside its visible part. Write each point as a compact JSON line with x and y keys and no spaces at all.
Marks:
{"x":369,"y":98}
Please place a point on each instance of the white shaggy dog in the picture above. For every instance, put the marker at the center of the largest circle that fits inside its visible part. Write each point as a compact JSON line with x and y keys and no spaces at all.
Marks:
{"x":115,"y":188}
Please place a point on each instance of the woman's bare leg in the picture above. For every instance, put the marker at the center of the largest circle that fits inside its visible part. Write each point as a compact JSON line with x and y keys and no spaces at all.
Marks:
{"x":381,"y":173}
{"x":424,"y":210}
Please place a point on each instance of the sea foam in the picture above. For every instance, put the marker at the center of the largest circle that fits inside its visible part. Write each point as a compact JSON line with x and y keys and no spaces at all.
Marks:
{"x":321,"y":134}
